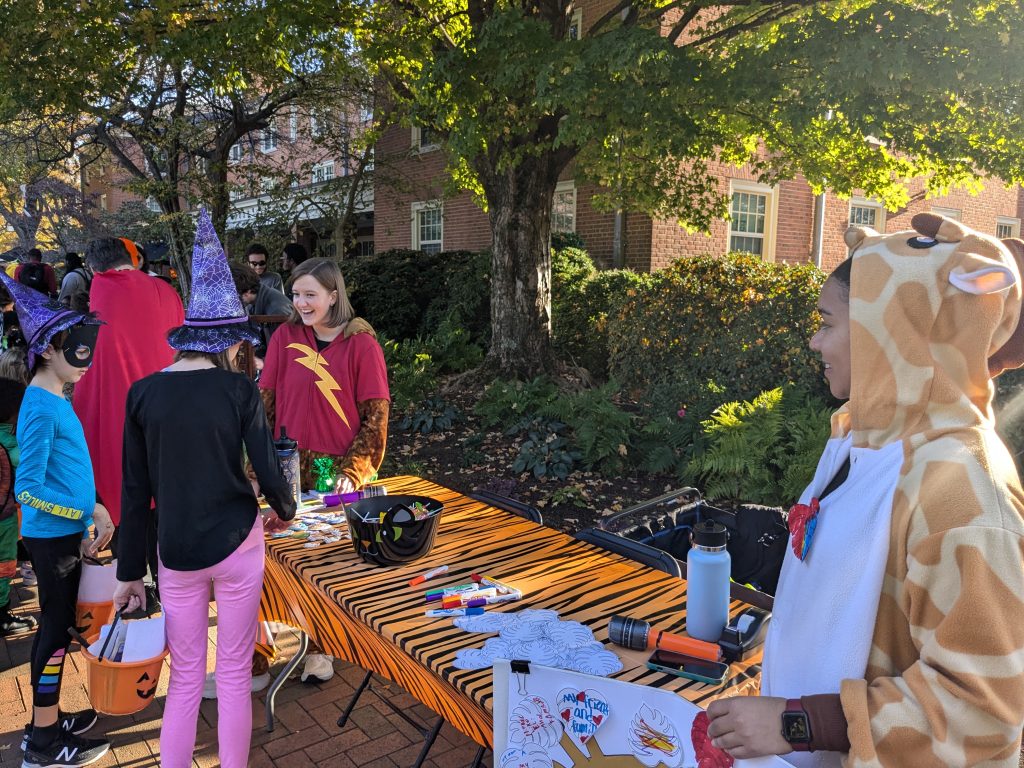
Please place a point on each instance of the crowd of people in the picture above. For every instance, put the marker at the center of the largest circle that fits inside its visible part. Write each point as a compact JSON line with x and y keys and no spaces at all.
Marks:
{"x":156,"y":397}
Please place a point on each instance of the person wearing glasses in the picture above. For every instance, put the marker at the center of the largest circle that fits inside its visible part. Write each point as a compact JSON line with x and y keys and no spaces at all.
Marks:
{"x":256,"y":256}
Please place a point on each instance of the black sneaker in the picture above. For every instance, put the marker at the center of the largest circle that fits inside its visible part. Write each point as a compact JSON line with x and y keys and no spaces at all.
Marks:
{"x":75,"y":723}
{"x":13,"y":624}
{"x":67,"y":751}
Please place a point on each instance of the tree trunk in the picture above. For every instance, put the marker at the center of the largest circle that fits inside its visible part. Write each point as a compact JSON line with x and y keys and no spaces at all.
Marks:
{"x":519,"y":201}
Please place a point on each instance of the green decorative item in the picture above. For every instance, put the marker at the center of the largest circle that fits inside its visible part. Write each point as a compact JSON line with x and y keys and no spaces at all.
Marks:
{"x":323,"y":468}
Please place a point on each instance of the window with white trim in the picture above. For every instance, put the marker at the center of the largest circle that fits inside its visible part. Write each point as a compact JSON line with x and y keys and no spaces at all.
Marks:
{"x":949,"y":213}
{"x":576,"y":25}
{"x":867,"y":213}
{"x":323,"y":171}
{"x":104,"y":205}
{"x":364,"y":248}
{"x":1007,"y":226}
{"x":269,"y":138}
{"x":317,"y":123}
{"x":235,"y":153}
{"x":752,"y":219}
{"x":153,"y":205}
{"x":427,"y":226}
{"x":424,"y":139}
{"x":293,"y":123}
{"x":563,"y":207}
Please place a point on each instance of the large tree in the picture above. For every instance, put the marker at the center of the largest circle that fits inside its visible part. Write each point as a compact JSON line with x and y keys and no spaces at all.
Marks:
{"x":853,"y":94}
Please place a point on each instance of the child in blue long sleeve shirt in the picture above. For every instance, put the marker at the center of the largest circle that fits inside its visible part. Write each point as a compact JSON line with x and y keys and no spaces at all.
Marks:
{"x":55,"y":488}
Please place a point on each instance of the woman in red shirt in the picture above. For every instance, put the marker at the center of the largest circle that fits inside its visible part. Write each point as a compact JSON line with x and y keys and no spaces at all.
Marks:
{"x":325,"y":382}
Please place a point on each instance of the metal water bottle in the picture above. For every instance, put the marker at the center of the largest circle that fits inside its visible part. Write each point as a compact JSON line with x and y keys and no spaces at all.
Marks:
{"x":707,"y":582}
{"x":288,"y":454}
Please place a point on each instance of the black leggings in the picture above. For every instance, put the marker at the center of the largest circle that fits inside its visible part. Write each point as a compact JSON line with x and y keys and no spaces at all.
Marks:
{"x":58,"y":568}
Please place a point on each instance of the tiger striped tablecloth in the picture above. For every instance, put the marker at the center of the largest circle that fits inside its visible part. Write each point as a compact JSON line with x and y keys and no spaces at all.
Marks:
{"x":371,"y":617}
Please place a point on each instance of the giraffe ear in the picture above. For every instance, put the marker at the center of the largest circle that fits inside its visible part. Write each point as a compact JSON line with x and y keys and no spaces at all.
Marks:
{"x":978,"y":273}
{"x":856,"y":235}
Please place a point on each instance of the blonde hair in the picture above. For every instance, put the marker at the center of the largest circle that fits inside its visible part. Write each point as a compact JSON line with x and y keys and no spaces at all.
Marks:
{"x":219,"y":359}
{"x":328,"y":274}
{"x":14,"y":365}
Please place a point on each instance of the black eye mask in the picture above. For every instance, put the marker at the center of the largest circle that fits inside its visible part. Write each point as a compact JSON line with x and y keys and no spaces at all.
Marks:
{"x":80,"y":345}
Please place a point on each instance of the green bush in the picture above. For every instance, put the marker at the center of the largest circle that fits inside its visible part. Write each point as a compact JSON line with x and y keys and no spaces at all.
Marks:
{"x":412,"y":373}
{"x":506,"y":403}
{"x":408,"y":294}
{"x":435,"y":414}
{"x":709,"y":329}
{"x":764,"y":450}
{"x":601,"y":430}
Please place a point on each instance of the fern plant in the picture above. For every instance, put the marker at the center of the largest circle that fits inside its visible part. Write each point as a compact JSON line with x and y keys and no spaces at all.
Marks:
{"x":505,"y":403}
{"x":602,"y":431}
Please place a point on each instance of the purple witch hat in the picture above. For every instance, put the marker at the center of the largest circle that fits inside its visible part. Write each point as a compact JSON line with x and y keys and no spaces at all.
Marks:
{"x":41,"y":317}
{"x":215,"y":319}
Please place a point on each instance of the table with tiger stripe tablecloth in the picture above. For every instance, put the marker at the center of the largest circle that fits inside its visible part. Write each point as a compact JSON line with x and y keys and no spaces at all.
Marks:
{"x":370,"y":616}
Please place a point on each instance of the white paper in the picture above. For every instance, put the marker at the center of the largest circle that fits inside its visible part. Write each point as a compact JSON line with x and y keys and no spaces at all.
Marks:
{"x":116,"y":645}
{"x":645,"y":726}
{"x":98,"y":583}
{"x":144,"y":639}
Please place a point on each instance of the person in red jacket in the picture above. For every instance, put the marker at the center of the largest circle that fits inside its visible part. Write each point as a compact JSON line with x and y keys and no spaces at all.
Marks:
{"x":138,"y":310}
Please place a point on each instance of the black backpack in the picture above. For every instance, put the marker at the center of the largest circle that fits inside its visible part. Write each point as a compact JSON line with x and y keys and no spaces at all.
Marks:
{"x":33,"y":275}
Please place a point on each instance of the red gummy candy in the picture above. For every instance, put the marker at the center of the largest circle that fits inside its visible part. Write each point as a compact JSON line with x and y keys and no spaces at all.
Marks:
{"x":708,"y":756}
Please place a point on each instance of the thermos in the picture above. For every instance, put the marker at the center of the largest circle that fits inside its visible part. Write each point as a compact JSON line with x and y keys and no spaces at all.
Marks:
{"x":288,"y":455}
{"x":707,"y":582}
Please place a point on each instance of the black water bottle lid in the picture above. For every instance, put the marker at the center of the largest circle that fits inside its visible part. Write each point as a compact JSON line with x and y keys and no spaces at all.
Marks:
{"x":708,"y":533}
{"x":285,"y":443}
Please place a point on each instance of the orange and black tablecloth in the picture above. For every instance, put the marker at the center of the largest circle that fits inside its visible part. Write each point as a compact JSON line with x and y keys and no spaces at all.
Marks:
{"x":371,"y":617}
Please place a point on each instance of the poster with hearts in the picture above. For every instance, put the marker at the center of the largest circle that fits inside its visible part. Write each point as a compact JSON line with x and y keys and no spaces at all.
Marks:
{"x":565,"y":719}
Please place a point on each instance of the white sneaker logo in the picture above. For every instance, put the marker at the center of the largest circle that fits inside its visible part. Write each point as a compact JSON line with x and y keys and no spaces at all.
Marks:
{"x":67,"y":754}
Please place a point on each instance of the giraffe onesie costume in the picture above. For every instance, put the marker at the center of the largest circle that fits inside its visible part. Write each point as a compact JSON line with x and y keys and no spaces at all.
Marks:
{"x":910,"y":602}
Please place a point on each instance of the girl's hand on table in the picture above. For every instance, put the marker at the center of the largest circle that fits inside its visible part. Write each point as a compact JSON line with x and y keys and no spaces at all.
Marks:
{"x":344,"y":485}
{"x":748,"y":726}
{"x":274,"y":524}
{"x":130,"y":595}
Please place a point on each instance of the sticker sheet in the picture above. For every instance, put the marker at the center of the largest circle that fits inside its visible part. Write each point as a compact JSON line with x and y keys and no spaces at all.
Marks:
{"x":558,"y":718}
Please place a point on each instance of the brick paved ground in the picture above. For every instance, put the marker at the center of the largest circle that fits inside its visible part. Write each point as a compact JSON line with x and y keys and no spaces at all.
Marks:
{"x":306,"y":733}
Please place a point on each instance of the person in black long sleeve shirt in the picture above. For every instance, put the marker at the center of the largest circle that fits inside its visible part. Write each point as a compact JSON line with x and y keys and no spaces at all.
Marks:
{"x":184,"y":435}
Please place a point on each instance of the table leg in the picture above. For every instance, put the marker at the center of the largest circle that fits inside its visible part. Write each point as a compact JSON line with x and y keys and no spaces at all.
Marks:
{"x":428,"y":742}
{"x":355,"y":698}
{"x":479,"y":758}
{"x":279,"y":680}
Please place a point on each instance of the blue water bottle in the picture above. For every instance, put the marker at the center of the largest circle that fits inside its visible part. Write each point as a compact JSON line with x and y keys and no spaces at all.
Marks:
{"x":707,"y":582}
{"x":288,"y":454}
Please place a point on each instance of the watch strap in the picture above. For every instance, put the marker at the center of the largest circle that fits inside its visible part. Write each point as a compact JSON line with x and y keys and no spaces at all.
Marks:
{"x":795,"y":710}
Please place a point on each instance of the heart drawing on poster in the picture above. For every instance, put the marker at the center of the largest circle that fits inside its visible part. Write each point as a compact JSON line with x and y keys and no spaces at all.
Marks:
{"x":582,"y":712}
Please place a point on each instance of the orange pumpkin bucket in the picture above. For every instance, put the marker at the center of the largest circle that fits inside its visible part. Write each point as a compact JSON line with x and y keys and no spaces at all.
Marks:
{"x":89,"y":617}
{"x":122,"y":688}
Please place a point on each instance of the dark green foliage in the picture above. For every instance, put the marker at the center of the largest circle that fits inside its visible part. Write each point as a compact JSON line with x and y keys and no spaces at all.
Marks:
{"x":546,"y":453}
{"x":560,"y":240}
{"x":506,"y":403}
{"x":412,"y":372}
{"x":601,"y":430}
{"x":435,"y":414}
{"x":408,"y":294}
{"x":711,"y":329}
{"x":764,"y":450}
{"x":452,"y":347}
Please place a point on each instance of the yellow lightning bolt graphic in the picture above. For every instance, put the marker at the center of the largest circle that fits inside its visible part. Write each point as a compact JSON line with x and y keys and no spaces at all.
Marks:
{"x":327,"y":385}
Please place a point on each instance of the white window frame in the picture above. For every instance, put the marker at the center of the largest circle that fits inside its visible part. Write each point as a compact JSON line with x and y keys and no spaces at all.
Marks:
{"x":863,"y":202}
{"x":417,"y":141}
{"x":235,"y":153}
{"x":153,"y":205}
{"x":417,"y":210}
{"x":771,"y":210}
{"x":561,"y":189}
{"x":1008,"y":221}
{"x":268,"y":138}
{"x":577,"y":24}
{"x":318,"y":120}
{"x":322,"y":172}
{"x":293,"y":123}
{"x":365,"y":248}
{"x":950,"y":213}
{"x":104,"y":205}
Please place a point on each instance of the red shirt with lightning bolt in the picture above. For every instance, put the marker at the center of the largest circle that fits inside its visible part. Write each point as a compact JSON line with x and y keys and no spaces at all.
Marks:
{"x":317,"y":391}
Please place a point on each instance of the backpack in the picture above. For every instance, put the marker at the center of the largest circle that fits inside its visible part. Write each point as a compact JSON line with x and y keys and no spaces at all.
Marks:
{"x":8,"y":505}
{"x":33,"y":274}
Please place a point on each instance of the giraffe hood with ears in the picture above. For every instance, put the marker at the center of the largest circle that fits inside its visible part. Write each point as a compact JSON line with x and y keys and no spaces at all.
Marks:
{"x":933,"y":312}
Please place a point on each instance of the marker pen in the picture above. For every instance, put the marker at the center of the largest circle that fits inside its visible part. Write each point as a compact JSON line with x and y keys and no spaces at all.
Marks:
{"x":428,"y":575}
{"x":443,"y":612}
{"x":451,"y":590}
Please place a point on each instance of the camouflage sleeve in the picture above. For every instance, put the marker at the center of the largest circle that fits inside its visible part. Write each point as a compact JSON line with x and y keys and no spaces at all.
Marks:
{"x":366,"y":453}
{"x":961,"y":701}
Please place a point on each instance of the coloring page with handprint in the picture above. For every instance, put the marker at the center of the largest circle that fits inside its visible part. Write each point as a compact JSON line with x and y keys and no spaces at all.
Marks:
{"x":558,"y":718}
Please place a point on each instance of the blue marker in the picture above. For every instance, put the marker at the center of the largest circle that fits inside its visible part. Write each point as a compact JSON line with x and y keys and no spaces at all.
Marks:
{"x":438,"y":613}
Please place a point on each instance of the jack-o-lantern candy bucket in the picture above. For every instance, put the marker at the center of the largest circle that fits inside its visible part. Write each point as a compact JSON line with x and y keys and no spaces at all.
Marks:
{"x":89,"y":617}
{"x":122,"y":688}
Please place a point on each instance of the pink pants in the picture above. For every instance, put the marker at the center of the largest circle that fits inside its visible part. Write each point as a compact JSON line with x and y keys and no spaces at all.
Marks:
{"x":237,"y":583}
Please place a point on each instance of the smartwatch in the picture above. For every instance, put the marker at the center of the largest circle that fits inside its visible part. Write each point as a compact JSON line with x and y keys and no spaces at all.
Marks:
{"x":796,"y":726}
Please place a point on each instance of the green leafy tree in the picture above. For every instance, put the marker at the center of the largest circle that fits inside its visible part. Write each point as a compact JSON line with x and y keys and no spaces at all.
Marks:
{"x":651,"y":93}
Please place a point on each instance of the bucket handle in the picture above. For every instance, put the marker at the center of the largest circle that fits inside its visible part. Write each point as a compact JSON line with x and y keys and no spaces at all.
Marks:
{"x":76,"y":635}
{"x":110,"y":634}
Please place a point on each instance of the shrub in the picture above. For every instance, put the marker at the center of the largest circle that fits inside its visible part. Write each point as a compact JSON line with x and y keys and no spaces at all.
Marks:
{"x":452,"y":348}
{"x":435,"y":414}
{"x":546,"y":453}
{"x":712,"y":328}
{"x":560,"y":240}
{"x":764,"y":450}
{"x":601,"y":430}
{"x":506,"y":403}
{"x":412,"y":373}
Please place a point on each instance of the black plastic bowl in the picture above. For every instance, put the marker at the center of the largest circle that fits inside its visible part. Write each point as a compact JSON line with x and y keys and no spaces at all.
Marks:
{"x":392,"y":530}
